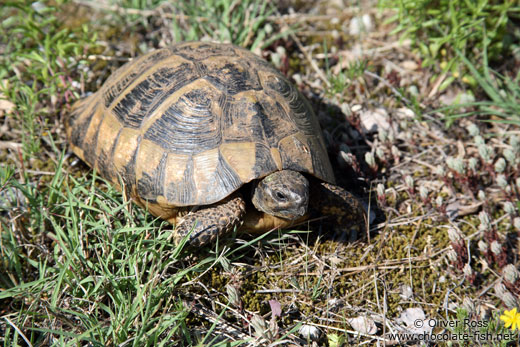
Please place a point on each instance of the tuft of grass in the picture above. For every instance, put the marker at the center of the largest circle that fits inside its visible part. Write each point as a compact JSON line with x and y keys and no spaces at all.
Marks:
{"x":242,"y":23}
{"x":503,"y":92}
{"x":38,"y":64}
{"x":441,"y":28}
{"x":86,"y":268}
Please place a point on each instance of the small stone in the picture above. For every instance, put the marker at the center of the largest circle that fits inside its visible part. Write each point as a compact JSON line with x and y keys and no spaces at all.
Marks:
{"x":409,"y":65}
{"x":405,"y":113}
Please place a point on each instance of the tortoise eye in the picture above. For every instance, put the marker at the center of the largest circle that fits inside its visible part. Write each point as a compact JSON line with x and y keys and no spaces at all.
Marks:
{"x":280,"y":196}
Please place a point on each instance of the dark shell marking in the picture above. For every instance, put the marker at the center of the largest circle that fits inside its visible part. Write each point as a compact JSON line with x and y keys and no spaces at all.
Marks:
{"x":191,"y":124}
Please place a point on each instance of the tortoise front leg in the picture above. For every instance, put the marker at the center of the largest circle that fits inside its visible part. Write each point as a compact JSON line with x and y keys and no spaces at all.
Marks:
{"x":211,"y":221}
{"x":346,"y":213}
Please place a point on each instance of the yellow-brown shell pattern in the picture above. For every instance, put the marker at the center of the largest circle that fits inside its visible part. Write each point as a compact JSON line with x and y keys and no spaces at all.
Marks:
{"x":190,"y":124}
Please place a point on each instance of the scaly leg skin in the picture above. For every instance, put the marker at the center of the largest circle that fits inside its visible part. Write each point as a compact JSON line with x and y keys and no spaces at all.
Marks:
{"x":346,"y":213}
{"x":208,"y":222}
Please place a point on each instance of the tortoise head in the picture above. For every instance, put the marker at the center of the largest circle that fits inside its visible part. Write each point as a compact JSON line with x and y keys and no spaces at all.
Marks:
{"x":282,"y":194}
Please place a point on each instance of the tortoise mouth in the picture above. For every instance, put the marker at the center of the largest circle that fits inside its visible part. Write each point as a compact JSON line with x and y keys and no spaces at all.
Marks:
{"x":291,"y":214}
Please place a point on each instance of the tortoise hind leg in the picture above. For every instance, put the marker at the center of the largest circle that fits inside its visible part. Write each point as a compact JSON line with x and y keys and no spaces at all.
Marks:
{"x":211,"y":221}
{"x":346,"y":212}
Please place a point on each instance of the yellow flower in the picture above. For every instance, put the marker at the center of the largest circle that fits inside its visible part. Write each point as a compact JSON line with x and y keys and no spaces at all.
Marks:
{"x":511,"y":319}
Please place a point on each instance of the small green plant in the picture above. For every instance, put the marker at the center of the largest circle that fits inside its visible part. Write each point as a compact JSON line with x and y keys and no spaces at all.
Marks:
{"x":340,"y":82}
{"x":439,"y":28}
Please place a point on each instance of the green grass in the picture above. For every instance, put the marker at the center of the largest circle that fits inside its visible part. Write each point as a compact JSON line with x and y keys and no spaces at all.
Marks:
{"x":78,"y":263}
{"x":38,"y":65}
{"x":502,"y":91}
{"x":87,"y":267}
{"x":243,"y":23}
{"x":92,"y":265}
{"x":239,"y":22}
{"x":440,"y":28}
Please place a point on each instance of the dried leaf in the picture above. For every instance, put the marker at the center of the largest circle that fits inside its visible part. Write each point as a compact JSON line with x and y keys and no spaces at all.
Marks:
{"x":276,"y":308}
{"x":363,"y":325}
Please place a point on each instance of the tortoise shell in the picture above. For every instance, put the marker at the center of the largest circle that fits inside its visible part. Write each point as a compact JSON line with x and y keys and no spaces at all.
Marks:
{"x":190,"y":124}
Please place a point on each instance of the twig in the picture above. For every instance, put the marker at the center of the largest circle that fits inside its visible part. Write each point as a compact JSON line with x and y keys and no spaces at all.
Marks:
{"x":10,"y":145}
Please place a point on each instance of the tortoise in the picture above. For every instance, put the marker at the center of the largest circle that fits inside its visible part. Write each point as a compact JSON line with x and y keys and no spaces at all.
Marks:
{"x":210,"y":137}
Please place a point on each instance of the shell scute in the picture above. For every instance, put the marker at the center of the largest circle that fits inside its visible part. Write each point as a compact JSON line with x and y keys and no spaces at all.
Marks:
{"x":188,"y":125}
